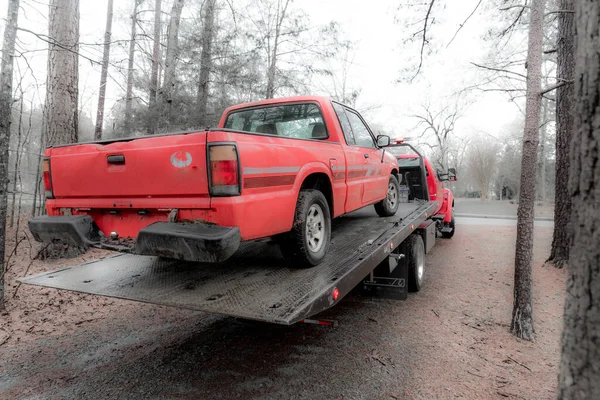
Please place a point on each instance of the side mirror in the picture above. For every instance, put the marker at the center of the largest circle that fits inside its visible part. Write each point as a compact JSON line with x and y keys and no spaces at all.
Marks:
{"x":383,"y":140}
{"x":442,"y":176}
{"x":452,"y":174}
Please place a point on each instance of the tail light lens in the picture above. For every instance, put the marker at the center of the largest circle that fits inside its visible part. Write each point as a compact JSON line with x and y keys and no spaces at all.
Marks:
{"x":47,"y":178}
{"x":224,"y":170}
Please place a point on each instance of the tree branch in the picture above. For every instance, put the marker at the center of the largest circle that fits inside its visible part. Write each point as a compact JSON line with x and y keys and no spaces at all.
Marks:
{"x":499,"y":70}
{"x":556,"y":86}
{"x":463,"y":24}
{"x":424,"y":40}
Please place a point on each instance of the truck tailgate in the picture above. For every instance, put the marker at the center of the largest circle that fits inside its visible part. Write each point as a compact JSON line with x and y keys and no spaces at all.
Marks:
{"x":169,"y":165}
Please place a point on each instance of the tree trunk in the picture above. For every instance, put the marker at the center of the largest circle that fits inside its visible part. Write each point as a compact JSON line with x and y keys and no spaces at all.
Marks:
{"x":168,"y":87}
{"x":6,"y":77}
{"x":104,"y":73}
{"x":63,"y":75}
{"x":522,"y":316}
{"x":129,"y":94}
{"x":271,"y":73}
{"x":579,"y":376}
{"x":153,"y":90}
{"x":205,"y":61}
{"x":559,"y":253}
{"x":17,"y":161}
{"x":542,"y":160}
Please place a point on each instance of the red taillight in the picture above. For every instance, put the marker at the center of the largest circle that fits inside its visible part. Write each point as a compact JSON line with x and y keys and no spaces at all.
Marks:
{"x":47,"y":178}
{"x":335,"y":294}
{"x":224,"y":170}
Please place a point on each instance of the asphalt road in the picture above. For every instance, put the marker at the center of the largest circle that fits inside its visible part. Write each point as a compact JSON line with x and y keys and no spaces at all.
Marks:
{"x":497,"y":209}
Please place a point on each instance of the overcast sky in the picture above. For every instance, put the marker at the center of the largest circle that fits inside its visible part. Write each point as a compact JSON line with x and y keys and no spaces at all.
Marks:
{"x":379,"y":29}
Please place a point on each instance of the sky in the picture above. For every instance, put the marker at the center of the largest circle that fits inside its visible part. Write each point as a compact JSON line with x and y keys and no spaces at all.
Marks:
{"x":379,"y":30}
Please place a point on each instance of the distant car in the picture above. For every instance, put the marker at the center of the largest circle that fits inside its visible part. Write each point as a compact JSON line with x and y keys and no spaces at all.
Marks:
{"x":410,"y":168}
{"x":280,"y":167}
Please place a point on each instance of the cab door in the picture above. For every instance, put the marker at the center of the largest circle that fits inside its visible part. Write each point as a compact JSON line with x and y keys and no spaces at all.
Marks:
{"x":355,"y":163}
{"x":434,"y":185}
{"x":375,"y":184}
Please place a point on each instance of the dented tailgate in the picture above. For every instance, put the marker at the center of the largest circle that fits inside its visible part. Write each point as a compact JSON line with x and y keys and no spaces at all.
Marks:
{"x":170,"y":165}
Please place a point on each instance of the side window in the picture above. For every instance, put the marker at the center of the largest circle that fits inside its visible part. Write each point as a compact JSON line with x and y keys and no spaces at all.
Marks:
{"x":341,"y":113}
{"x":361,"y":132}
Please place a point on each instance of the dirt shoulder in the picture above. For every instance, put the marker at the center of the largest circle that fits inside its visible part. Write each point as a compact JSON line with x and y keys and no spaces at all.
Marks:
{"x":450,"y":340}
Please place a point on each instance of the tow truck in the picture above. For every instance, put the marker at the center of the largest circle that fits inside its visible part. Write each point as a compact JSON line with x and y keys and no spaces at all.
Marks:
{"x":383,"y":257}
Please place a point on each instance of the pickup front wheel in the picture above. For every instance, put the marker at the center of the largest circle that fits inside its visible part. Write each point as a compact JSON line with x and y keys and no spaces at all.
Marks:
{"x":388,"y":206}
{"x":307,"y":243}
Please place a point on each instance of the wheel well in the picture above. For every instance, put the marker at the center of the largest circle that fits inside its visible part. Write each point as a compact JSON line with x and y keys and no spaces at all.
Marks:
{"x":395,"y":172}
{"x":320,"y":181}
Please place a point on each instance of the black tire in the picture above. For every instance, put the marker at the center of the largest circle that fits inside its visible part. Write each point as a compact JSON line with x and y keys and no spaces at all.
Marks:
{"x":301,"y":246}
{"x":448,"y":235}
{"x":415,"y":254}
{"x":388,"y":206}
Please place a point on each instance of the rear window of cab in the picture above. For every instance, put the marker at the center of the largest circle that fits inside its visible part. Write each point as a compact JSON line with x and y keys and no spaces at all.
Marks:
{"x":297,"y":121}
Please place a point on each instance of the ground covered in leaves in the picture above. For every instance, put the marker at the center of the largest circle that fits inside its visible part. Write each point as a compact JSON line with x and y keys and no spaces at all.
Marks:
{"x":450,"y":340}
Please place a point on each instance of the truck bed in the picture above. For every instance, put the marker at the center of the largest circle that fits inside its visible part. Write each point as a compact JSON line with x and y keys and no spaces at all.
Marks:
{"x":255,"y":283}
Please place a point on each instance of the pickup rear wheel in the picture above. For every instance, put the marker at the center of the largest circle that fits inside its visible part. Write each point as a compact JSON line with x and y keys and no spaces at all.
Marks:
{"x":388,"y":206}
{"x":307,"y":243}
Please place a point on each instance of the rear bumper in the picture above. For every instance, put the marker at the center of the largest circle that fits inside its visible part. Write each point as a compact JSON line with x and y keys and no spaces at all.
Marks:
{"x":181,"y":241}
{"x":188,"y":241}
{"x":76,"y":230}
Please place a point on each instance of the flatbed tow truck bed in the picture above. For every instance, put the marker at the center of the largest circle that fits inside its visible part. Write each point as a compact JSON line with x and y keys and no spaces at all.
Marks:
{"x":255,"y":283}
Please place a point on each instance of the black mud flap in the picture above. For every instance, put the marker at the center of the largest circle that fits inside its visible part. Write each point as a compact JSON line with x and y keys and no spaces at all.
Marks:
{"x":188,"y":242}
{"x":75,"y":230}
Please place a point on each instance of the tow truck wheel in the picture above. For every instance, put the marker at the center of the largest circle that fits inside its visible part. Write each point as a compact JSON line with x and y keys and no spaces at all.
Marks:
{"x":307,"y":243}
{"x":416,"y":262}
{"x":388,"y":206}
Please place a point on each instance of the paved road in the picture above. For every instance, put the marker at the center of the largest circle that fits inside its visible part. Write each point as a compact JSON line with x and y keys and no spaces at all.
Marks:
{"x":495,"y":209}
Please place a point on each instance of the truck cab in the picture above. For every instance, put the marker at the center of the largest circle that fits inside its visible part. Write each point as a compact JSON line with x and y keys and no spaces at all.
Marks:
{"x":411,"y":166}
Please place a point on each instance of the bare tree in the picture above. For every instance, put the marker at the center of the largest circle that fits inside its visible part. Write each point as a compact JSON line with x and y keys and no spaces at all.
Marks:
{"x":205,"y":60}
{"x":153,"y":89}
{"x":522,"y":316}
{"x":6,"y":77}
{"x":440,"y":124}
{"x":63,"y":76}
{"x":559,"y":253}
{"x":129,"y":91}
{"x":104,"y":72}
{"x":482,"y":159}
{"x":167,"y":90}
{"x":282,"y":6}
{"x":579,"y":376}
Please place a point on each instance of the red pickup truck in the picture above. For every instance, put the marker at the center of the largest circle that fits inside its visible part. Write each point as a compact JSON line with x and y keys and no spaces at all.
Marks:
{"x":278,"y":168}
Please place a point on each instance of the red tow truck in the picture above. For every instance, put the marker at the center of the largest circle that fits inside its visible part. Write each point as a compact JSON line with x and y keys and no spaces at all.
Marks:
{"x":381,"y":254}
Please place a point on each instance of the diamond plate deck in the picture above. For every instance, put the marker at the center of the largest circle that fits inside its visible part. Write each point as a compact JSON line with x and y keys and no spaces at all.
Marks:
{"x":255,"y":283}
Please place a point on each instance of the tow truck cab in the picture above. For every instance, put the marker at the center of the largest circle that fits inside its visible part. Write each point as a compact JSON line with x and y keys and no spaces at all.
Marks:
{"x":410,"y":170}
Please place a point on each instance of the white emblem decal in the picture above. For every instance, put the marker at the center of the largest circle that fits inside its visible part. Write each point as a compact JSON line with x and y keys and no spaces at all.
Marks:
{"x":181,"y":159}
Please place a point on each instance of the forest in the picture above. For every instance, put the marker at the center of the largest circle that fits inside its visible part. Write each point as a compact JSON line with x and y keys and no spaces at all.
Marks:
{"x":498,"y":89}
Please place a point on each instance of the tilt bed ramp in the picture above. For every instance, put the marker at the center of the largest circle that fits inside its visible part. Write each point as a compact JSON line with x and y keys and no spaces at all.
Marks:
{"x":256,"y":283}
